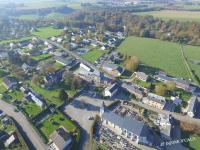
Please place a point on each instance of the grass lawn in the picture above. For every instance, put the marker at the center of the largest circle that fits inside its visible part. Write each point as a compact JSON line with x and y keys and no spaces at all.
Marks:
{"x":53,"y":122}
{"x":175,"y":15}
{"x":16,"y":95}
{"x":2,"y":89}
{"x":7,"y":128}
{"x":58,"y":65}
{"x":31,"y":109}
{"x":41,"y":57}
{"x":142,"y":83}
{"x":46,"y":32}
{"x":185,"y":96}
{"x":156,"y":53}
{"x":51,"y":96}
{"x":93,"y":55}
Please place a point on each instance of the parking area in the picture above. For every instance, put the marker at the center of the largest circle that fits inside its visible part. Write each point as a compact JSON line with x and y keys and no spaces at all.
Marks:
{"x":84,"y":109}
{"x":113,"y":141}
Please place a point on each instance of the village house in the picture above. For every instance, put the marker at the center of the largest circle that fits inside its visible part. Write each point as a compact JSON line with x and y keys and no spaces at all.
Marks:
{"x":60,"y":139}
{"x":154,"y":101}
{"x":110,"y":91}
{"x":31,"y":46}
{"x":133,"y":90}
{"x":85,"y":67}
{"x":11,"y":140}
{"x":192,"y":106}
{"x":163,"y":122}
{"x":30,"y":95}
{"x":127,"y":126}
{"x":53,"y":78}
{"x":26,"y":68}
{"x":113,"y":69}
{"x":141,"y":76}
{"x":182,"y":84}
{"x":67,"y":62}
{"x":10,"y":83}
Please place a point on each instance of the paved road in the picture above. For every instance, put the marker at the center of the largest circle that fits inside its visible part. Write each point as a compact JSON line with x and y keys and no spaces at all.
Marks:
{"x":25,"y":125}
{"x":175,"y":115}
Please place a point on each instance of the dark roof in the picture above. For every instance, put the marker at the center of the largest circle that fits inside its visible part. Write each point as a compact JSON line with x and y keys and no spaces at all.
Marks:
{"x":113,"y":87}
{"x":127,"y":122}
{"x":120,"y":69}
{"x":10,"y":81}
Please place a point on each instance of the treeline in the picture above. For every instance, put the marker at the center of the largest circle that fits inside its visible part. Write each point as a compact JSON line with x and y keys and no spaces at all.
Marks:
{"x":143,"y":26}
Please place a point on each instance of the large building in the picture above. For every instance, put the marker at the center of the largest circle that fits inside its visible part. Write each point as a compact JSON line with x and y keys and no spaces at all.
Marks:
{"x":154,"y":101}
{"x":127,"y":126}
{"x":60,"y":140}
{"x":192,"y":106}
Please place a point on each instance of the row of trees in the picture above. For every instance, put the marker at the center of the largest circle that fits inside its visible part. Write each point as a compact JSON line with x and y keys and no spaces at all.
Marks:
{"x":144,"y":26}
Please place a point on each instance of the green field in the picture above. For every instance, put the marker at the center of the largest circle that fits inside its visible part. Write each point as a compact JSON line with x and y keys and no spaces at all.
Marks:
{"x":29,"y":17}
{"x":93,"y":55}
{"x":193,"y":54}
{"x":58,"y":16}
{"x":158,"y":54}
{"x":47,"y":32}
{"x":42,"y":4}
{"x":175,"y":15}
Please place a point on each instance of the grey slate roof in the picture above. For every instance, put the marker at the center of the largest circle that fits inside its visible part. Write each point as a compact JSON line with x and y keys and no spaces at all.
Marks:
{"x":128,"y":123}
{"x":192,"y":104}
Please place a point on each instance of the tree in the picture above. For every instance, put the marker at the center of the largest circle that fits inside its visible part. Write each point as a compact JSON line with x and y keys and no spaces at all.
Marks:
{"x":171,"y":86}
{"x":131,"y":63}
{"x":36,"y":79}
{"x":160,"y":89}
{"x":63,"y":95}
{"x":67,"y":77}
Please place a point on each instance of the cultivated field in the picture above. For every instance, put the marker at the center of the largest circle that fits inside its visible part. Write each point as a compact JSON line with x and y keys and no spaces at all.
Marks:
{"x":159,"y":54}
{"x":175,"y":15}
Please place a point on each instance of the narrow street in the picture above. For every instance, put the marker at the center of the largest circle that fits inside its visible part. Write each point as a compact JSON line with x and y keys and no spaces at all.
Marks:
{"x":35,"y":139}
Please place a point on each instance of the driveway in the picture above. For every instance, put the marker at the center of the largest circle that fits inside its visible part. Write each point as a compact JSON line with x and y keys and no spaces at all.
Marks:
{"x":27,"y":129}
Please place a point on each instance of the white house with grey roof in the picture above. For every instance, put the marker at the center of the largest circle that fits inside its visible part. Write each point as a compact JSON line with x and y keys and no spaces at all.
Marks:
{"x":127,"y":126}
{"x":110,"y":91}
